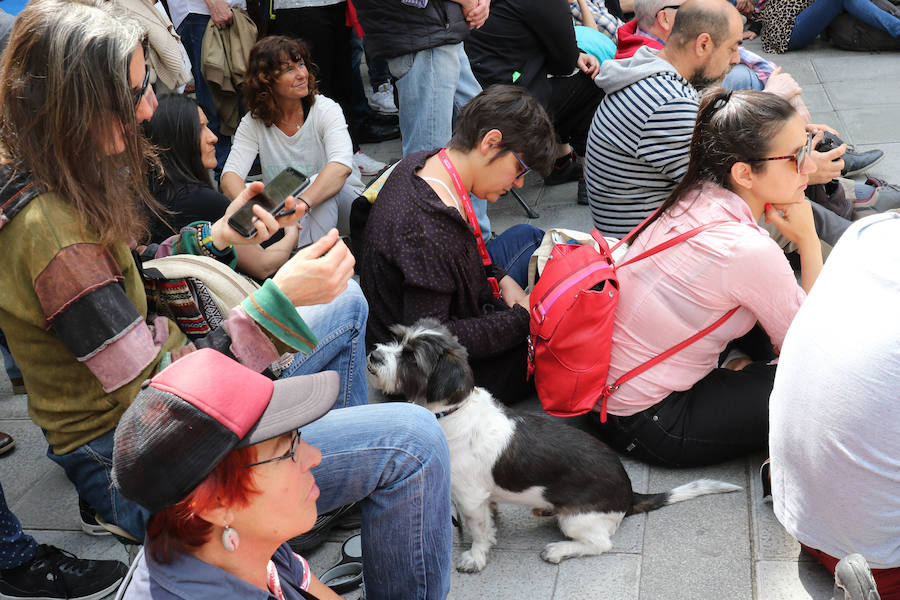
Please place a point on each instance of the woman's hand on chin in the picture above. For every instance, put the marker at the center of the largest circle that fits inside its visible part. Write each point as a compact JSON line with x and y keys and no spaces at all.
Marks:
{"x":794,"y":221}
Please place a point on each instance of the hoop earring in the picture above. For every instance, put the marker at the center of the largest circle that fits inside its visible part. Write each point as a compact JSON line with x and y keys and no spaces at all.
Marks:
{"x":230,"y":538}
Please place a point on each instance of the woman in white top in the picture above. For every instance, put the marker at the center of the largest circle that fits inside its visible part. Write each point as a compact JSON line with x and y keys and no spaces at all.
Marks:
{"x":290,"y":125}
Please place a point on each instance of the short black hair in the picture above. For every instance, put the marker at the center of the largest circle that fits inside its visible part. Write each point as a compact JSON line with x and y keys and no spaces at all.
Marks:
{"x":520,"y":118}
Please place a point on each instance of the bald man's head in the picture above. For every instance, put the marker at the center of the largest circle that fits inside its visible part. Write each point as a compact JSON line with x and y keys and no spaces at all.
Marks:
{"x":714,"y":17}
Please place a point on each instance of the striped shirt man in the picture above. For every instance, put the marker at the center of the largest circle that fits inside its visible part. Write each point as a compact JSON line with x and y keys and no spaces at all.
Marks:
{"x":639,"y":141}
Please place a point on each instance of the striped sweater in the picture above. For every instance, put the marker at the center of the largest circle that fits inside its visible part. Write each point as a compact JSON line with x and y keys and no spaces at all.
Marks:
{"x":639,"y":141}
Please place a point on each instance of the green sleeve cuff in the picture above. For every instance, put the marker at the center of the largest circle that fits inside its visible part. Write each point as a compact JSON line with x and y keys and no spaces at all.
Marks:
{"x":187,"y":243}
{"x":272,"y":310}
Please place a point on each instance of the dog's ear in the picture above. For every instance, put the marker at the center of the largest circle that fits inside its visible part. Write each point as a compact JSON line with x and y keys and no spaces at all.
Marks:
{"x":451,"y":380}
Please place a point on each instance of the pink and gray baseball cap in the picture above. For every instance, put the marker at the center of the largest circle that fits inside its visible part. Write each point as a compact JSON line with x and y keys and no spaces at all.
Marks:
{"x":201,"y":407}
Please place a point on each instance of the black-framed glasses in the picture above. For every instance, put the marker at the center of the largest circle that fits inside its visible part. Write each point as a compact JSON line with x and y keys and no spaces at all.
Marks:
{"x":798,"y":156}
{"x":672,"y":6}
{"x":525,"y":168}
{"x":137,"y":95}
{"x":290,"y":454}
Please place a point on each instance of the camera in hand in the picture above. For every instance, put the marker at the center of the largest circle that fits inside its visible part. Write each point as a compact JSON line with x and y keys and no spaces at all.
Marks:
{"x":289,"y":182}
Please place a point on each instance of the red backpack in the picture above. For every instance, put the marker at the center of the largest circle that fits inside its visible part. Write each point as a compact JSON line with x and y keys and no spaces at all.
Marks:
{"x":572,"y":309}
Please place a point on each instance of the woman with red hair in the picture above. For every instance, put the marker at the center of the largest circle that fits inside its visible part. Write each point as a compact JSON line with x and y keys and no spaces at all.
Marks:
{"x":226,"y":478}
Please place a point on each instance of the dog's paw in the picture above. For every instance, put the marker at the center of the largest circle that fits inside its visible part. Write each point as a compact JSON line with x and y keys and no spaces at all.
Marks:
{"x":556,"y":552}
{"x":471,"y":561}
{"x":543,"y":512}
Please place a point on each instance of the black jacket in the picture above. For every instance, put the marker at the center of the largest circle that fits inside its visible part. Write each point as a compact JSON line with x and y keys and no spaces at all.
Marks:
{"x":393,"y":28}
{"x":531,"y":37}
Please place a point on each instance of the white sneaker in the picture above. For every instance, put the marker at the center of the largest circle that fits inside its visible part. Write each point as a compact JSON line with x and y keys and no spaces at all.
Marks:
{"x":382,"y":99}
{"x":367,"y":165}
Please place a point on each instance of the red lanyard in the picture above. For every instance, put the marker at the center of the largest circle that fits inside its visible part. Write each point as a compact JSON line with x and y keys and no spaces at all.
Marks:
{"x":470,"y":215}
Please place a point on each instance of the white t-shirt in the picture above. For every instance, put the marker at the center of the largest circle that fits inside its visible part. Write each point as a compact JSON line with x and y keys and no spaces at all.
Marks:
{"x":835,"y":408}
{"x":323,"y":138}
{"x":179,"y":9}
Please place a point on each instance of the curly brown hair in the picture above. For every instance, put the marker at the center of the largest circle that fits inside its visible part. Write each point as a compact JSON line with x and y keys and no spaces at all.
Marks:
{"x":268,"y":59}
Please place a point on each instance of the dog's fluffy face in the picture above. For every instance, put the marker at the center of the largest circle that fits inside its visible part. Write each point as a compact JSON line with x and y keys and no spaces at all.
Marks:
{"x":425,"y":364}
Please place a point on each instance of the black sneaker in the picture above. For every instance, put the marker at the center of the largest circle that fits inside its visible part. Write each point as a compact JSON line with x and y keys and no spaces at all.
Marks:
{"x":89,"y":523}
{"x":55,"y":573}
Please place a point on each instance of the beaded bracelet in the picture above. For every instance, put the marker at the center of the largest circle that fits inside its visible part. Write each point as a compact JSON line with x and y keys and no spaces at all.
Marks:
{"x":205,"y":240}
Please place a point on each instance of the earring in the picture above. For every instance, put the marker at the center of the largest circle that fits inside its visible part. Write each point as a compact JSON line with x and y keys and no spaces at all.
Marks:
{"x":230,"y":538}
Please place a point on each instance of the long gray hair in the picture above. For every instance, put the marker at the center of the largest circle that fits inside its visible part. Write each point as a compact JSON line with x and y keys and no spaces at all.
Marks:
{"x":64,"y":90}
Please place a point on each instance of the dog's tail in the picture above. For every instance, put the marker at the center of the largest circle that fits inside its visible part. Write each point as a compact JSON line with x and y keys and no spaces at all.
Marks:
{"x":646,"y":502}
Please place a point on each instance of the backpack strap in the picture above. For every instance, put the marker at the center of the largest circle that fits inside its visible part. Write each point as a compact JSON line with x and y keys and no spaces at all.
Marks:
{"x":608,"y":390}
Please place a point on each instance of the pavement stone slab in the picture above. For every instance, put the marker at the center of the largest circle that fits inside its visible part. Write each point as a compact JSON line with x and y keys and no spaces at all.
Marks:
{"x":873,"y":125}
{"x":23,"y":466}
{"x":610,"y":576}
{"x":51,"y":503}
{"x":789,"y":580}
{"x":508,"y":574}
{"x":854,"y":68}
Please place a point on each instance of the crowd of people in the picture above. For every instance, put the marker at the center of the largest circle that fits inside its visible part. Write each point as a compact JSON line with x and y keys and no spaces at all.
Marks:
{"x":188,"y":441}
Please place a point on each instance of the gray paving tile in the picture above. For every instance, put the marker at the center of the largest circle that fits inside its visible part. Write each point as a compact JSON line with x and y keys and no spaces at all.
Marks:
{"x":606,"y":577}
{"x":832,"y":119}
{"x":878,"y":92}
{"x":798,"y":66}
{"x":51,"y":503}
{"x":25,"y":465}
{"x":889,"y":167}
{"x":508,"y":574}
{"x":872,"y":125}
{"x":788,"y":580}
{"x":705,"y":541}
{"x":857,"y":67}
{"x":12,"y":407}
{"x":815,"y":98}
{"x":770,"y":540}
{"x":676,"y":576}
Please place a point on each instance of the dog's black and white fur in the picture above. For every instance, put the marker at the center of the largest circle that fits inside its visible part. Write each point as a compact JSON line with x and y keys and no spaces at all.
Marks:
{"x":501,"y":455}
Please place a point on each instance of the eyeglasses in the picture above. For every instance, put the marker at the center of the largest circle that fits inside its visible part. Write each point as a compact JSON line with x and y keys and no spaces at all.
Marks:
{"x":799,"y":156}
{"x":525,"y":168}
{"x":137,"y":95}
{"x":672,"y":6}
{"x":290,"y":454}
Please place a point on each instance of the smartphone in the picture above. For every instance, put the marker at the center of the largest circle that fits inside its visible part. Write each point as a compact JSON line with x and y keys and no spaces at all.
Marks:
{"x":289,"y":182}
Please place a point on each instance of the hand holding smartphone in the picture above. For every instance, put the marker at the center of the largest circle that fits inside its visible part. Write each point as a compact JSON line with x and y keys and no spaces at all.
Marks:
{"x":289,"y":182}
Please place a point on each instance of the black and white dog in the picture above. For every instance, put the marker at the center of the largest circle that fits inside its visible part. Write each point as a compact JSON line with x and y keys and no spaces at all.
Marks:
{"x":501,"y":455}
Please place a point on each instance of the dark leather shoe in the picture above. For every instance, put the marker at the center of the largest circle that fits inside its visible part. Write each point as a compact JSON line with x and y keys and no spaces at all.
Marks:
{"x":382,"y":119}
{"x":6,"y":443}
{"x":857,"y":162}
{"x":582,"y":192}
{"x":371,"y":132}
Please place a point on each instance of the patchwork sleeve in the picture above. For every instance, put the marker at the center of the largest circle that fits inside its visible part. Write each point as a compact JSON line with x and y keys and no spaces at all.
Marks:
{"x":83,"y":299}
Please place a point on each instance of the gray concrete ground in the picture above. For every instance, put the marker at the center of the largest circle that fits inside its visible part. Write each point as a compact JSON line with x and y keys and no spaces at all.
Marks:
{"x":725,"y":546}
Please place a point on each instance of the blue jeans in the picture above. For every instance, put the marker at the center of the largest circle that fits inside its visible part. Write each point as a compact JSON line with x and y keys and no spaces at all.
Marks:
{"x":432,"y":85}
{"x":813,"y":21}
{"x":513,"y":248}
{"x":340,"y":327}
{"x":742,"y":77}
{"x":394,"y":458}
{"x":16,"y":547}
{"x":191,"y":31}
{"x":12,"y":369}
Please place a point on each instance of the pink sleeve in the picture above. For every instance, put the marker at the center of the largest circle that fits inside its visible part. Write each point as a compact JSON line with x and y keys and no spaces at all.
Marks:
{"x":760,"y":279}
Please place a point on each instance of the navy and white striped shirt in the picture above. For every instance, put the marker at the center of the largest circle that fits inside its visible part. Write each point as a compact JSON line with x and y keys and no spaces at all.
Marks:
{"x":639,"y":141}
